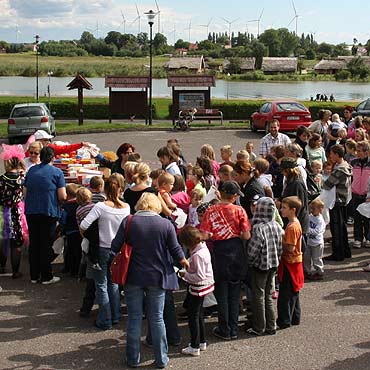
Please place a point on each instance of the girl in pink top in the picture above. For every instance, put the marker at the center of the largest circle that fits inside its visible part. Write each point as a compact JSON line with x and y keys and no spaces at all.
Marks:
{"x":179,"y":196}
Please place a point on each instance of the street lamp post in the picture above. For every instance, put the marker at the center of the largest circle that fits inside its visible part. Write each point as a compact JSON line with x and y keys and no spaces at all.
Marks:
{"x":37,"y":39}
{"x":50,"y":73}
{"x":151,"y":15}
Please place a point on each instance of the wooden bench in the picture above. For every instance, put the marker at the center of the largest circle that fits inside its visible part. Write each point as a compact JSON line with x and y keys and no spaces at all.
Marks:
{"x":205,"y":114}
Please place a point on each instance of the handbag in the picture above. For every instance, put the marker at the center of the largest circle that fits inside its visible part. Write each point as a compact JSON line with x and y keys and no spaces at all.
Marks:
{"x":120,"y":263}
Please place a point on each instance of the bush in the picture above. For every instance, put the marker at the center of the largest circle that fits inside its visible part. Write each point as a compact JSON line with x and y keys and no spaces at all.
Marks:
{"x":342,"y":75}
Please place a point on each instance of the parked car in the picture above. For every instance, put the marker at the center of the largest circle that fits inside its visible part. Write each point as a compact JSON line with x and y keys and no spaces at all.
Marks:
{"x":25,"y":119}
{"x":363,"y":109}
{"x":290,"y":114}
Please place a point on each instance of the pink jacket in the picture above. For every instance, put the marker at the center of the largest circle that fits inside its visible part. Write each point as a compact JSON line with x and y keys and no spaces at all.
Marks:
{"x":200,"y":272}
{"x":361,"y":176}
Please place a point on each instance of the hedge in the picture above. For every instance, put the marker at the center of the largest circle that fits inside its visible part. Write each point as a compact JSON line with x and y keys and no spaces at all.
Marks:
{"x":97,"y":108}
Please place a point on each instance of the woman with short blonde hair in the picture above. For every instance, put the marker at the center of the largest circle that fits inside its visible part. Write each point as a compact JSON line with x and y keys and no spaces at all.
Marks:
{"x":34,"y":150}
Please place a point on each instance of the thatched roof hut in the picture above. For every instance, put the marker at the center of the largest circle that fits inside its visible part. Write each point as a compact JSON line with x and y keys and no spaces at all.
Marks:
{"x":246,"y":64}
{"x":192,"y":64}
{"x":272,"y":65}
{"x":330,"y":66}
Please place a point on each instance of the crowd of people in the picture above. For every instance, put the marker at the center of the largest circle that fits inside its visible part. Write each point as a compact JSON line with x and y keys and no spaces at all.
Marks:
{"x":252,"y":225}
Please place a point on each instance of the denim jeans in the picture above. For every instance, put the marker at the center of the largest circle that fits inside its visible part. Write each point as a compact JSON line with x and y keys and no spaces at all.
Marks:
{"x":154,"y":300}
{"x":227,"y":295}
{"x":169,"y":316}
{"x":107,"y":293}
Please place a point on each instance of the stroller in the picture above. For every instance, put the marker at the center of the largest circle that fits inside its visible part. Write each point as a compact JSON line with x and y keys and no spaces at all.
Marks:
{"x":185,"y":118}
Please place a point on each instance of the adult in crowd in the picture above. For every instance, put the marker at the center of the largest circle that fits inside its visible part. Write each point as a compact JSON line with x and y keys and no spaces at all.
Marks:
{"x":45,"y":139}
{"x":340,"y":177}
{"x":168,"y":160}
{"x":320,"y":126}
{"x":123,"y":152}
{"x":140,"y":178}
{"x":34,"y":150}
{"x":295,"y":151}
{"x":14,"y":227}
{"x":302,"y":136}
{"x":244,"y":175}
{"x":361,"y":175}
{"x":273,"y":138}
{"x":44,"y":190}
{"x":150,"y":274}
{"x":110,"y":215}
{"x":349,"y":121}
{"x":295,"y":186}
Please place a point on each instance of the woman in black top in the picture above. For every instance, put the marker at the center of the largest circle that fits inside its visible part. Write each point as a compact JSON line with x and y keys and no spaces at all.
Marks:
{"x":243,"y":174}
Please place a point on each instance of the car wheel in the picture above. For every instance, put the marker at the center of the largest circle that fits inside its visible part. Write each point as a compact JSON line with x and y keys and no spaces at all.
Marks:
{"x":267,"y":128}
{"x":253,"y":127}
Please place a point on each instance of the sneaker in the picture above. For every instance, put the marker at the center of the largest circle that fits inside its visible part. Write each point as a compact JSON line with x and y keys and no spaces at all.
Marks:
{"x":54,"y":280}
{"x":191,"y":351}
{"x":367,"y":244}
{"x":366,"y":268}
{"x":216,"y":332}
{"x":253,"y":332}
{"x":356,"y":244}
{"x":275,"y":294}
{"x":34,"y":281}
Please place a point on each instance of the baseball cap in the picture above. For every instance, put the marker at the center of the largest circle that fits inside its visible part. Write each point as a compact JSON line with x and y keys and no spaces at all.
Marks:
{"x":230,"y":187}
{"x":255,"y":199}
{"x":41,"y":134}
{"x":288,"y":162}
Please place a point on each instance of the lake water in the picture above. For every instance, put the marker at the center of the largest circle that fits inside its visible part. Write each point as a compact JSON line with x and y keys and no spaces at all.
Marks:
{"x":223,"y":89}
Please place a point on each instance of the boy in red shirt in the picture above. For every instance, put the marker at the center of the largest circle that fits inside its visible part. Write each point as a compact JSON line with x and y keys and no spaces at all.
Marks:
{"x":290,"y":270}
{"x":227,"y":224}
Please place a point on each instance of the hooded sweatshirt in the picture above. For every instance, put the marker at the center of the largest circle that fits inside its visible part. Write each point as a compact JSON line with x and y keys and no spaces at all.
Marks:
{"x":341,"y":177}
{"x":265,"y":245}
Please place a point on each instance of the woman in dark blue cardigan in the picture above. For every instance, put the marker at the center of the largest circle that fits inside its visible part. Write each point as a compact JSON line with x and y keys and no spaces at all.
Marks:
{"x":150,"y":274}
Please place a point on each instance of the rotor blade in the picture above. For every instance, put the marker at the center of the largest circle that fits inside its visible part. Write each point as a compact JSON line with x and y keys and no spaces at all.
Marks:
{"x":235,"y":20}
{"x":225,"y":20}
{"x":291,"y":21}
{"x":253,"y":20}
{"x":156,"y":4}
{"x":137,"y":10}
{"x":295,"y":11}
{"x":123,"y":17}
{"x":209,"y":22}
{"x":261,"y":14}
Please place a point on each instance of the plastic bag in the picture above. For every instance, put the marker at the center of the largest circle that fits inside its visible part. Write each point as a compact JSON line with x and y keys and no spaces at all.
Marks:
{"x":210,"y":195}
{"x":180,"y":217}
{"x":328,"y":197}
{"x":58,"y":245}
{"x":364,"y":209}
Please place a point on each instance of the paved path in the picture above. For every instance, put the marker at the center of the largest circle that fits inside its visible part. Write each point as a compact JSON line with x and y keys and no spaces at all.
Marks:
{"x":40,"y":327}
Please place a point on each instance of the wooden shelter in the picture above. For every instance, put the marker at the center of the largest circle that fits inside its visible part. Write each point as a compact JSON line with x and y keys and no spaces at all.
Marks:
{"x":192,"y":93}
{"x":190,"y":64}
{"x":330,"y":66}
{"x":246,"y":64}
{"x":128,"y":103}
{"x":272,"y":65}
{"x":80,"y":83}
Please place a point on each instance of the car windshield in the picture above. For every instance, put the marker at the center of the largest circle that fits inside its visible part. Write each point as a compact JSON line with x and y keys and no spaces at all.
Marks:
{"x":28,"y":112}
{"x":287,"y":107}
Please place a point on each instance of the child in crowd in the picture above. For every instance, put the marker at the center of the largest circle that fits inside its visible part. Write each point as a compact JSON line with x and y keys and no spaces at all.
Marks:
{"x":165,"y":185}
{"x":350,"y":151}
{"x":180,"y":160}
{"x":327,"y":167}
{"x":154,"y":175}
{"x":134,"y":157}
{"x":207,"y":151}
{"x":242,"y":155}
{"x":96,"y":186}
{"x":129,"y":169}
{"x":314,"y":150}
{"x":265,"y":180}
{"x":290,"y":270}
{"x":224,"y":173}
{"x":201,"y":283}
{"x":228,"y":224}
{"x":316,"y":169}
{"x":264,"y":251}
{"x":315,"y":242}
{"x":275,"y":170}
{"x":226,"y":154}
{"x":195,"y":178}
{"x":179,"y":196}
{"x":360,"y":135}
{"x":68,"y":223}
{"x":252,"y":156}
{"x":169,"y":160}
{"x":196,"y":198}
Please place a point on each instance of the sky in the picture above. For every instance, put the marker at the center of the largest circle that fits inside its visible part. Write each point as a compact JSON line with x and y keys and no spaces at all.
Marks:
{"x":330,"y":21}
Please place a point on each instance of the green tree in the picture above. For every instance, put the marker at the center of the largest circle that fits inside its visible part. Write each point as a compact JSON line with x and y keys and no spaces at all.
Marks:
{"x":160,"y":43}
{"x":142,"y":39}
{"x":340,"y":49}
{"x":310,"y":54}
{"x":259,"y":51}
{"x":289,"y":42}
{"x":181,"y":44}
{"x":234,"y":65}
{"x":115,"y":38}
{"x":358,"y":68}
{"x":325,"y":48}
{"x":271,"y":39}
{"x":86,"y":37}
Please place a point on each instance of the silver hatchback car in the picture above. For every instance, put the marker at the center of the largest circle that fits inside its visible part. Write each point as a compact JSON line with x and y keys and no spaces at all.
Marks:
{"x":27,"y":118}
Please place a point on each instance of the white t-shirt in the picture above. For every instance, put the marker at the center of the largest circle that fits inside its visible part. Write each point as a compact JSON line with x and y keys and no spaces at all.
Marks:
{"x":109,"y":221}
{"x":316,"y":230}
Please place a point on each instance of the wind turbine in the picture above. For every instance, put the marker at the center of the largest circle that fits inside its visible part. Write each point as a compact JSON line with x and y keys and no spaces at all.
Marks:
{"x":123,"y":22}
{"x":206,"y":25}
{"x":188,"y":29}
{"x":174,"y":33}
{"x":17,"y":33}
{"x":159,"y":16}
{"x":138,"y":18}
{"x":296,"y":16}
{"x":95,"y":30}
{"x":230,"y":23}
{"x":258,"y":22}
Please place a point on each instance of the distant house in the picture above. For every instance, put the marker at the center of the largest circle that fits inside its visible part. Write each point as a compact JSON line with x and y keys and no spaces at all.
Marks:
{"x":330,"y":66}
{"x":29,"y":46}
{"x":182,"y":51}
{"x":193,"y":46}
{"x":190,"y":64}
{"x":271,"y":65}
{"x":247,"y":64}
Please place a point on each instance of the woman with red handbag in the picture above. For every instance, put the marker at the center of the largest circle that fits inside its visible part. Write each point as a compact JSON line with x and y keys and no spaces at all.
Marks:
{"x":110,"y":215}
{"x":150,"y":274}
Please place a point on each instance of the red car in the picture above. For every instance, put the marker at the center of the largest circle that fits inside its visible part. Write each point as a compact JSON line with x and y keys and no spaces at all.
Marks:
{"x":290,"y":114}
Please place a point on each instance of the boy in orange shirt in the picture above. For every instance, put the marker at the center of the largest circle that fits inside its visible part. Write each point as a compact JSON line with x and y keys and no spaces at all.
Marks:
{"x":290,"y":270}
